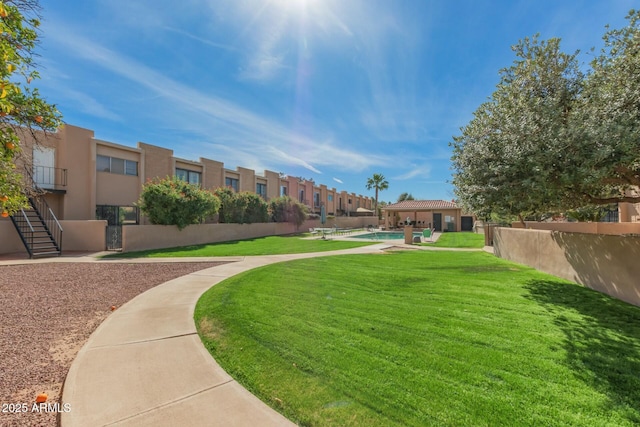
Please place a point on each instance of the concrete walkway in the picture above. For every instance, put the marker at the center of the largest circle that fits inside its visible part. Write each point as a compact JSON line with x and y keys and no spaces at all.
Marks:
{"x":146,"y":366}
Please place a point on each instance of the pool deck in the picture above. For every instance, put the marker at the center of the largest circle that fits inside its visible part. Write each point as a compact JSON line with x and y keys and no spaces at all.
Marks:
{"x":353,"y":236}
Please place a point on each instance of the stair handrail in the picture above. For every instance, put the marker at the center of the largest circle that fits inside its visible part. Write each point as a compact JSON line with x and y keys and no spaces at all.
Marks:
{"x":49,"y":219}
{"x":55,"y":219}
{"x":26,"y":218}
{"x":27,"y":235}
{"x":46,"y":213}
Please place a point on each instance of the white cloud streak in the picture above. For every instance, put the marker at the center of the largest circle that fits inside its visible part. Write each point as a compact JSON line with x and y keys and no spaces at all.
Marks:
{"x":421,"y":171}
{"x":249,"y":131}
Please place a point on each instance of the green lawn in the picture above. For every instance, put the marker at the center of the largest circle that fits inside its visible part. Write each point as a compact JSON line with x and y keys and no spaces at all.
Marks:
{"x":271,"y":245}
{"x":458,"y":240}
{"x":425,"y":338}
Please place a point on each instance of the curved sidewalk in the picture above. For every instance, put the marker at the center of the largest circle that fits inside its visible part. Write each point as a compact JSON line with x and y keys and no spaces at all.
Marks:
{"x":146,"y":366}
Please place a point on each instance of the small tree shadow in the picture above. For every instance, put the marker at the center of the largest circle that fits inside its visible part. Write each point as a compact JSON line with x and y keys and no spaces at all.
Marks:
{"x":602,"y":340}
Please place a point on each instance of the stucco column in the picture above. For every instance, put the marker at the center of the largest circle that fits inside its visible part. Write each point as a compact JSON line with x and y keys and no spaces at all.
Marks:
{"x":623,"y":212}
{"x":408,"y":234}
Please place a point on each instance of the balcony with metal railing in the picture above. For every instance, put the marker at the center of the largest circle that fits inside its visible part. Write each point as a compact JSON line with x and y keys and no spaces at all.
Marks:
{"x":50,"y":179}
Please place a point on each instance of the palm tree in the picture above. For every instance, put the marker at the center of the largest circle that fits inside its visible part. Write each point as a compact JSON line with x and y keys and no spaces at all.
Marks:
{"x":378,"y":182}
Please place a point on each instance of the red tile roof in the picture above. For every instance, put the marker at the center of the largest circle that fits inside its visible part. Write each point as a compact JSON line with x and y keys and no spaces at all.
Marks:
{"x":422,"y":204}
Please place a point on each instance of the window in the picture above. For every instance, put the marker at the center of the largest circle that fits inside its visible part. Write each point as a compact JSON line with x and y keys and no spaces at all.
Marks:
{"x":611,"y":215}
{"x":116,"y":165}
{"x":118,"y":215}
{"x":130,"y":168}
{"x":330,"y":197}
{"x":316,"y":199}
{"x":192,"y":177}
{"x":301,"y":198}
{"x":233,"y":183}
{"x":103,"y":164}
{"x":349,"y":201}
{"x":182,"y":174}
{"x":283,"y":190}
{"x":261,"y":190}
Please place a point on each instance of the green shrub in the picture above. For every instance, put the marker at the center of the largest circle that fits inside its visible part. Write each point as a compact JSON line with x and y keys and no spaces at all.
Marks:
{"x":241,"y":208}
{"x":255,"y":208}
{"x":171,"y":201}
{"x":227,"y":197}
{"x":286,"y":209}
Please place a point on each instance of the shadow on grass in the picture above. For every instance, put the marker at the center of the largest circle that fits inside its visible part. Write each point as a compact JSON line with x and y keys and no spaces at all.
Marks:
{"x":602,"y":340}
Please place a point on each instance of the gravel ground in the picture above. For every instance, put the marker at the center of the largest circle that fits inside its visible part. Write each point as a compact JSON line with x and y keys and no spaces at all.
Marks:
{"x":48,"y":311}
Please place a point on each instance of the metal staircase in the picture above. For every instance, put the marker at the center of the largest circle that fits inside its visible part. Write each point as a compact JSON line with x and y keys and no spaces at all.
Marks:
{"x":39,"y":229}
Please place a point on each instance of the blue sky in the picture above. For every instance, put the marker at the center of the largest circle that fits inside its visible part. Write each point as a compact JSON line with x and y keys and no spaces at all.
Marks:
{"x":333,"y":90}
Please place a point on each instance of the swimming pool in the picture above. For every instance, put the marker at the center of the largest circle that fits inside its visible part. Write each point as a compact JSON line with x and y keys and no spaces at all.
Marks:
{"x":385,"y":235}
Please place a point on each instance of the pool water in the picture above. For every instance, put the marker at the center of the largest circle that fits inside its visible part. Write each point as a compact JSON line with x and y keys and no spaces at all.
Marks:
{"x":385,"y":235}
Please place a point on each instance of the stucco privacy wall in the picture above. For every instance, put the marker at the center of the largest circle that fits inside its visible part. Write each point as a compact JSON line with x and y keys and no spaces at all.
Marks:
{"x":606,"y":263}
{"x":143,"y":237}
{"x":584,"y":227}
{"x":90,"y":235}
{"x":77,"y":236}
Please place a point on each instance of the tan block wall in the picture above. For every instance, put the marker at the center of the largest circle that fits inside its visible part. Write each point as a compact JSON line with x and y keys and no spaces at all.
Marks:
{"x":86,"y":236}
{"x":213,"y":174}
{"x":56,"y":203}
{"x":109,"y":149}
{"x":273,"y":184}
{"x":247,"y":179}
{"x":190,"y":166}
{"x":158,"y":162}
{"x":292,"y":188}
{"x":77,"y":154}
{"x":115,"y":189}
{"x":605,"y":263}
{"x":142,"y":237}
{"x":9,"y":239}
{"x":613,"y":228}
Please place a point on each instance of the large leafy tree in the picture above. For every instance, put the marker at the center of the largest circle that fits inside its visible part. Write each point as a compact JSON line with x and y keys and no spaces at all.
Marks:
{"x":516,"y":155}
{"x":552,"y":139}
{"x":609,"y":117}
{"x":379,"y":183}
{"x":22,"y":110}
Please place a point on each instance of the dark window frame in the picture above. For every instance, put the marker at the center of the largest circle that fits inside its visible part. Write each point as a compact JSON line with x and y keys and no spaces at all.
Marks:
{"x":127,"y":165}
{"x":233,"y":183}
{"x":189,"y":175}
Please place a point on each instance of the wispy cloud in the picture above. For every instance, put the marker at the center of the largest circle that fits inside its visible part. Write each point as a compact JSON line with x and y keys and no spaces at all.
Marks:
{"x":199,"y":39}
{"x":338,"y":180}
{"x":263,"y":66}
{"x":90,"y":105}
{"x":232,"y":122}
{"x":421,"y":171}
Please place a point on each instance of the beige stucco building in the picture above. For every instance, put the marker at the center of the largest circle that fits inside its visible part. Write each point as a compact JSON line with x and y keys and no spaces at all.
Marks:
{"x":436,"y":214}
{"x":83,"y":175}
